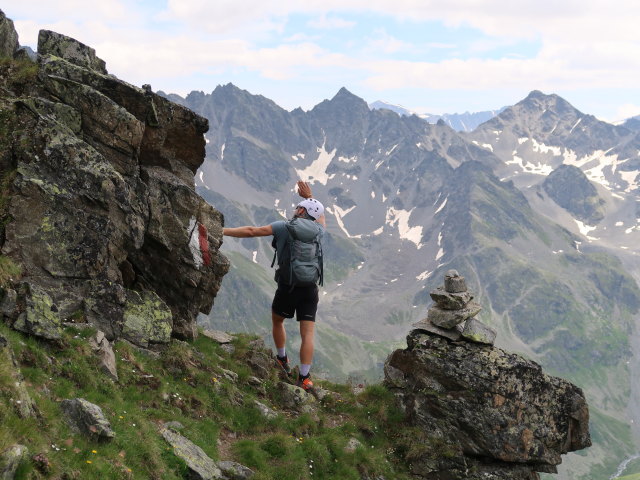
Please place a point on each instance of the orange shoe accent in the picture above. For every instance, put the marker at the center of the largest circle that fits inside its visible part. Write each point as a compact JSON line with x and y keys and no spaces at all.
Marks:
{"x":304,"y":383}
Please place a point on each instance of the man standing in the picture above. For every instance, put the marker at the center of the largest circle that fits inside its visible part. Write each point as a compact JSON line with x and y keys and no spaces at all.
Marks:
{"x":288,"y":299}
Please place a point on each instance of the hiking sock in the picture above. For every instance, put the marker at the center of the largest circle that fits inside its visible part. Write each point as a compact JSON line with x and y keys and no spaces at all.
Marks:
{"x":304,"y":369}
{"x":282,"y":352}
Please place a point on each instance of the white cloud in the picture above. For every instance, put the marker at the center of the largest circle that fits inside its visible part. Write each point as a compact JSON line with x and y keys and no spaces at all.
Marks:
{"x":582,"y":44}
{"x":385,"y":43}
{"x":626,"y":111}
{"x":325,"y":22}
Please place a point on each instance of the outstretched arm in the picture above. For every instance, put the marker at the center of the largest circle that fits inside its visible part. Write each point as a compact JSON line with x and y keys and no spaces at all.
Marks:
{"x":248,"y":231}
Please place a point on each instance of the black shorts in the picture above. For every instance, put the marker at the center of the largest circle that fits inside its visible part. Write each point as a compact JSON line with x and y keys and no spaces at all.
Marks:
{"x":303,"y":301}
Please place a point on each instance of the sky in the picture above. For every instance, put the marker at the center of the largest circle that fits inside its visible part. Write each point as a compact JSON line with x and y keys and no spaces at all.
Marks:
{"x":431,"y":56}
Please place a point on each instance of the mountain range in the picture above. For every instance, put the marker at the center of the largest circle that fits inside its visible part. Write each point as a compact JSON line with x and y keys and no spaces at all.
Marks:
{"x":462,"y":122}
{"x":537,"y":207}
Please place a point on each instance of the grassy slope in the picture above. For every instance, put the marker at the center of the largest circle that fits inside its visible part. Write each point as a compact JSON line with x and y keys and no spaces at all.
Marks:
{"x":185,"y":383}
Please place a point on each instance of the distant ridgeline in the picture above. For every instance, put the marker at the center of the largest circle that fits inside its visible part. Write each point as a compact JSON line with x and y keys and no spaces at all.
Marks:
{"x":108,"y":256}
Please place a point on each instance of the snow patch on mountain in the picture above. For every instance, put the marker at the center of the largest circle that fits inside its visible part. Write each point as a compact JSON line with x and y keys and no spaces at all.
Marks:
{"x":631,"y":178}
{"x":401,"y":218}
{"x":585,"y":229}
{"x":352,"y":159}
{"x":339,"y":214}
{"x":424,"y":275}
{"x":542,"y":148}
{"x":317,"y":171}
{"x":488,"y":146}
{"x":599,"y":159}
{"x":442,"y":205}
{"x":528,"y":167}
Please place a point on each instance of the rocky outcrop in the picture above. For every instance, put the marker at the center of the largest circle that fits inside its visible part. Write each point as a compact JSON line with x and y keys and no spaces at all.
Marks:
{"x":99,"y":209}
{"x":485,"y":413}
{"x":8,"y":37}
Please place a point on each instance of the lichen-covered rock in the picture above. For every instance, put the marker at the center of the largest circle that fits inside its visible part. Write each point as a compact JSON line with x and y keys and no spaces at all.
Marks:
{"x":265,"y":411}
{"x":485,"y":410}
{"x":106,"y":356}
{"x":235,"y":471}
{"x":454,"y":282}
{"x":295,"y":398}
{"x":147,"y":319}
{"x":446,"y":318}
{"x":10,"y":460}
{"x":8,"y":37}
{"x":218,"y":336}
{"x":87,"y":418}
{"x":52,"y":43}
{"x":40,"y":316}
{"x":9,"y":303}
{"x":101,"y":207}
{"x":450,"y":301}
{"x":452,"y":334}
{"x":200,"y":465}
{"x":476,"y":331}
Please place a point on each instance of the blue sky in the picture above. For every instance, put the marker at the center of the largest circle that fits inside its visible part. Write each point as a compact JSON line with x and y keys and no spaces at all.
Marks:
{"x":427,"y":55}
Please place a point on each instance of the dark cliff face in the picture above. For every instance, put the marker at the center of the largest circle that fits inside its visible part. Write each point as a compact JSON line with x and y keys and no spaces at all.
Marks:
{"x":486,"y":413}
{"x":570,"y":188}
{"x":99,"y":210}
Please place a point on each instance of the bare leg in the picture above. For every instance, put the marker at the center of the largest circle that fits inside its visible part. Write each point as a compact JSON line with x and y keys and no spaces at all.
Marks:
{"x":278,"y":331}
{"x":306,"y":347}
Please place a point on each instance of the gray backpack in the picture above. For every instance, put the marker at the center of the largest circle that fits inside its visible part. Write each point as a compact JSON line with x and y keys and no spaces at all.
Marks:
{"x":301,"y":262}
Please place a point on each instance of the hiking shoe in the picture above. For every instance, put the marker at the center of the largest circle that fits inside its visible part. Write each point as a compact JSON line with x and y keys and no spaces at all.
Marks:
{"x":304,"y":382}
{"x":283,"y":363}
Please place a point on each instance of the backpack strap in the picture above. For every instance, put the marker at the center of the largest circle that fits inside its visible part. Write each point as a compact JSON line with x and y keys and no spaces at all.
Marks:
{"x":321,"y":264}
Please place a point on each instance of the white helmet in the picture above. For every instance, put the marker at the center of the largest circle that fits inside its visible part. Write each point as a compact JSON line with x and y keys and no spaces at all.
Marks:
{"x":314,"y":207}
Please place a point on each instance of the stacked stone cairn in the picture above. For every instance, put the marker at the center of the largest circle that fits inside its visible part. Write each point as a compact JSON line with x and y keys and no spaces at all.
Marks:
{"x":453,"y":315}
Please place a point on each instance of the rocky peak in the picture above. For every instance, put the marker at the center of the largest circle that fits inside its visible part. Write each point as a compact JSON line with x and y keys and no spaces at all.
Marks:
{"x":100,"y":212}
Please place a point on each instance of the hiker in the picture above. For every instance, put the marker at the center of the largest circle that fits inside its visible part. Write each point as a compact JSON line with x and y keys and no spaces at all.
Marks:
{"x":297,"y":291}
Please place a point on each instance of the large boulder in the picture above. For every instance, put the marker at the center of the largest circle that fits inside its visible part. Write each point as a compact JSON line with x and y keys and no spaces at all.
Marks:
{"x":485,"y":410}
{"x":102,"y":215}
{"x":87,"y":418}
